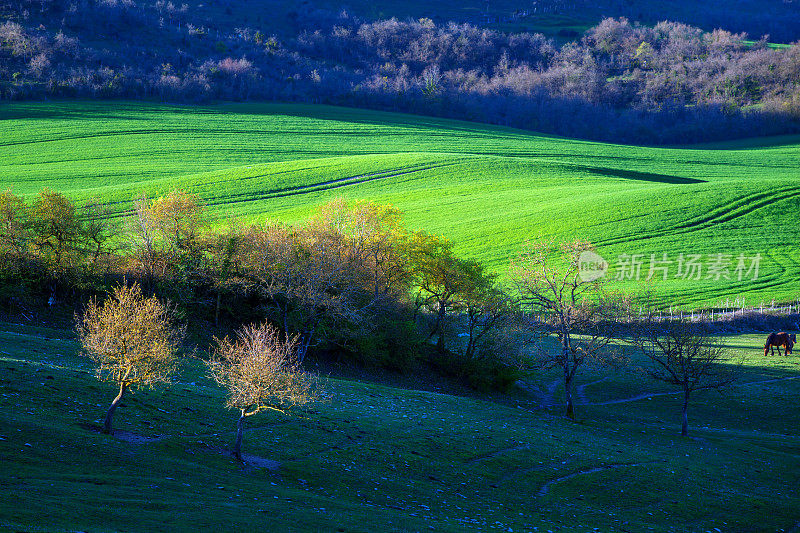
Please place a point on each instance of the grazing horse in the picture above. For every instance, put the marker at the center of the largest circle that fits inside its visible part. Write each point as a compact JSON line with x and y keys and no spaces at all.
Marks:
{"x":780,"y":339}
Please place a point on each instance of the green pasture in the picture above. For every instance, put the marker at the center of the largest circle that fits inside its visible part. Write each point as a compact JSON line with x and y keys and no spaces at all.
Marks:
{"x":487,"y":188}
{"x":377,"y":458}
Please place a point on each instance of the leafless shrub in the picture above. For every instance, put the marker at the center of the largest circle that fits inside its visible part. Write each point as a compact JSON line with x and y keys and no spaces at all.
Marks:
{"x":682,"y":356}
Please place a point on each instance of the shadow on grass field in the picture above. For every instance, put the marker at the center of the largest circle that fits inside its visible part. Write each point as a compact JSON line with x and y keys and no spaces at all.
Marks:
{"x":378,"y":458}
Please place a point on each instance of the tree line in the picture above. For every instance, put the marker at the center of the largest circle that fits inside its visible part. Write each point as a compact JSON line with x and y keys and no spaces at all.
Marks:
{"x":350,"y":282}
{"x":621,"y":81}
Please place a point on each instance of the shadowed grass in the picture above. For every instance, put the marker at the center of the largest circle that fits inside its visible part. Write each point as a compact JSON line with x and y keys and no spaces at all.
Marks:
{"x":379,"y":458}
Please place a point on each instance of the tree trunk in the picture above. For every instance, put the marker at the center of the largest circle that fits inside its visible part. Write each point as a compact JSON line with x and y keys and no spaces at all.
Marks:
{"x":440,"y":315}
{"x":685,"y":416}
{"x":470,"y":352}
{"x":305,"y":344}
{"x":568,"y":394}
{"x":216,"y":308}
{"x":107,"y":429}
{"x":568,"y":375}
{"x":237,"y":446}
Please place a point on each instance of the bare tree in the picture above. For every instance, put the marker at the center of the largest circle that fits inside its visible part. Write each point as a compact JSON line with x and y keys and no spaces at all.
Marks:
{"x":180,"y":218}
{"x":308,"y":273}
{"x":222,"y":265}
{"x":141,"y":234}
{"x":261,"y":371}
{"x":133,"y":339}
{"x":98,"y":232}
{"x":488,"y":310}
{"x":558,"y":302}
{"x":374,"y":236}
{"x":681,"y":356}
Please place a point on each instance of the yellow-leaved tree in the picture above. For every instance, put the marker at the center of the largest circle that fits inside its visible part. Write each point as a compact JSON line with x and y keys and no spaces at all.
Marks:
{"x":133,"y":339}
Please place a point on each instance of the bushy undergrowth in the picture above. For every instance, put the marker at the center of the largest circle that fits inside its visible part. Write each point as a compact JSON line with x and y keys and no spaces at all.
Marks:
{"x":485,"y":375}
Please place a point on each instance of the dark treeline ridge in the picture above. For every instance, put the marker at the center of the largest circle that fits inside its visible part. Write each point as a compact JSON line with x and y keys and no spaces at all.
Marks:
{"x":351,"y":282}
{"x":620,"y":81}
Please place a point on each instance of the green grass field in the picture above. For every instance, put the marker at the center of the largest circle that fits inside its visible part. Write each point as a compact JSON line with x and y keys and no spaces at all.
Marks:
{"x":487,"y":188}
{"x":376,"y":458}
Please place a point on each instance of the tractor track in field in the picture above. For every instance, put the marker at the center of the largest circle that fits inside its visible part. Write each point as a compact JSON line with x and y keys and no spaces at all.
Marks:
{"x":732,"y":210}
{"x":348,"y":181}
{"x":358,"y":179}
{"x":644,"y":395}
{"x":195,"y":131}
{"x":770,"y":281}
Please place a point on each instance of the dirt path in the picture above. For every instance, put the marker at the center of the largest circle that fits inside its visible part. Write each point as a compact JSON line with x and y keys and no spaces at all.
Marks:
{"x":546,"y":487}
{"x":581,"y":389}
{"x":545,"y":397}
{"x":496,"y":453}
{"x":260,"y":462}
{"x":653,"y":394}
{"x":583,"y":400}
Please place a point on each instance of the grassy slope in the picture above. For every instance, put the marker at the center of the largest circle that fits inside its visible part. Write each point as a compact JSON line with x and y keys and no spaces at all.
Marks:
{"x":376,"y":458}
{"x":487,"y":188}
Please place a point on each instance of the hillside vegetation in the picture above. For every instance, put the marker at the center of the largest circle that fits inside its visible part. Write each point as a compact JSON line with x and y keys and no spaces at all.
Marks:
{"x":619,"y":80}
{"x":488,"y":189}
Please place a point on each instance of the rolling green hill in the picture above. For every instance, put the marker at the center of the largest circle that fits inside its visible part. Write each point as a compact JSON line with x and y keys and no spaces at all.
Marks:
{"x":487,"y":188}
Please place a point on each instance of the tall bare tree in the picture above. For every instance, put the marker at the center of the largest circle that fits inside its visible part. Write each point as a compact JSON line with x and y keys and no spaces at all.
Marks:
{"x":133,"y":339}
{"x":222,"y":265}
{"x":97,"y":233}
{"x":682,"y":356}
{"x":488,"y":310}
{"x":179,"y":218}
{"x":142,"y":237}
{"x":308,"y":274}
{"x":375,"y":238}
{"x":165,"y":232}
{"x":558,"y":302}
{"x":260,"y":371}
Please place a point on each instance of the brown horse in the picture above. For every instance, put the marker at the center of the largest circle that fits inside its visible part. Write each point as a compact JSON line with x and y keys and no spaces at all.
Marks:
{"x":780,"y":339}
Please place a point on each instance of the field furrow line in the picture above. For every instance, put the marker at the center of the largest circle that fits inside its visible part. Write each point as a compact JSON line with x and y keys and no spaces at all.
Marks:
{"x":324,"y":186}
{"x":733,"y":210}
